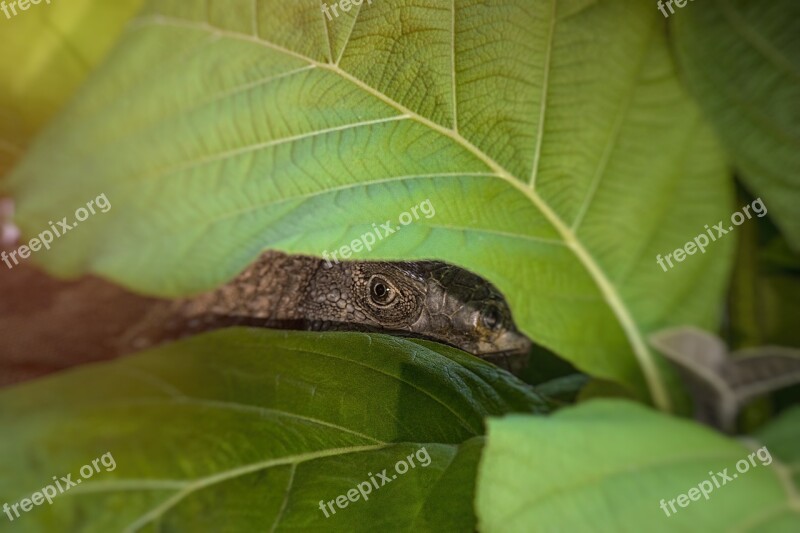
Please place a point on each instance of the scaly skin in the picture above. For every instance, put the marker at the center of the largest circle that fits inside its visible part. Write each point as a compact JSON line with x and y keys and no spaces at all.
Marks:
{"x":425,"y":299}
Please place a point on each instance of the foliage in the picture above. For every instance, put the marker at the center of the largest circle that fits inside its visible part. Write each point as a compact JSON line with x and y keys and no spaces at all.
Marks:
{"x":563,"y":145}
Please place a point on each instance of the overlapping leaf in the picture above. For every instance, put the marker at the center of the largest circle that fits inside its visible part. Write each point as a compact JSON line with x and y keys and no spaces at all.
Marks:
{"x":610,"y":466}
{"x":249,"y":429}
{"x":552,"y":138}
{"x":48,"y":49}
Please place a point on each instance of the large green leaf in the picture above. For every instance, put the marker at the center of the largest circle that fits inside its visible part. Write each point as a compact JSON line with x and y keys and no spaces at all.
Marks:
{"x":553,"y":140}
{"x":240,"y":429}
{"x":608,"y":465}
{"x":742,"y":60}
{"x":48,"y":50}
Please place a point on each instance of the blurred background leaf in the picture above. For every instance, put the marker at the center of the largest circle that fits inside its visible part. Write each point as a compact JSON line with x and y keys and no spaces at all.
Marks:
{"x":764,"y":300}
{"x":741,"y":59}
{"x":48,"y":50}
{"x":764,"y":305}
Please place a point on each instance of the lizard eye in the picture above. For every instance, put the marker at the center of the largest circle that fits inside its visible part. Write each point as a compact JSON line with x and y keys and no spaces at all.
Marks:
{"x":381,"y":292}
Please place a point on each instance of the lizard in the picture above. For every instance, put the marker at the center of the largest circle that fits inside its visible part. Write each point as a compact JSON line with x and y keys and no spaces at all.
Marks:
{"x":431,"y":300}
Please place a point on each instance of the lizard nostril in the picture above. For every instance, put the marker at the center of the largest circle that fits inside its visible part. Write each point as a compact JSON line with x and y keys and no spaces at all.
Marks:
{"x":491,"y":318}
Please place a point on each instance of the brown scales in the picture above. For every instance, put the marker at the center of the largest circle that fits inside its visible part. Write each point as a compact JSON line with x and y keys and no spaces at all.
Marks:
{"x":424,"y":299}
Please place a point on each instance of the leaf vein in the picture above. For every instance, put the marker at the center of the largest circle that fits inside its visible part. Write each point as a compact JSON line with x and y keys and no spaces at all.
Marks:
{"x":638,"y":345}
{"x":543,"y":104}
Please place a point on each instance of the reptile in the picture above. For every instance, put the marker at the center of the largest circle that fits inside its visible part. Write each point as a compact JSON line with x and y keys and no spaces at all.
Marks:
{"x":431,"y":300}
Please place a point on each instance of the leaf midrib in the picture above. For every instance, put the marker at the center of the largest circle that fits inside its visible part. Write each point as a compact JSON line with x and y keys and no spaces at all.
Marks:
{"x":655,"y":383}
{"x":220,"y":477}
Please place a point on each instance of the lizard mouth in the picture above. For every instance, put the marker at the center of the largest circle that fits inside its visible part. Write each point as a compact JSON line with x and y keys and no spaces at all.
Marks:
{"x":509,"y":343}
{"x":514,"y":362}
{"x":510,"y":353}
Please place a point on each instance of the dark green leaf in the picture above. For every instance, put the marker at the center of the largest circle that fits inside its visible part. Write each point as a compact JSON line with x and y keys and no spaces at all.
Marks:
{"x":249,"y":429}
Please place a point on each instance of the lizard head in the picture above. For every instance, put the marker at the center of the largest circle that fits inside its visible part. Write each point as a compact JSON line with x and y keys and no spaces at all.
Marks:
{"x":427,"y":299}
